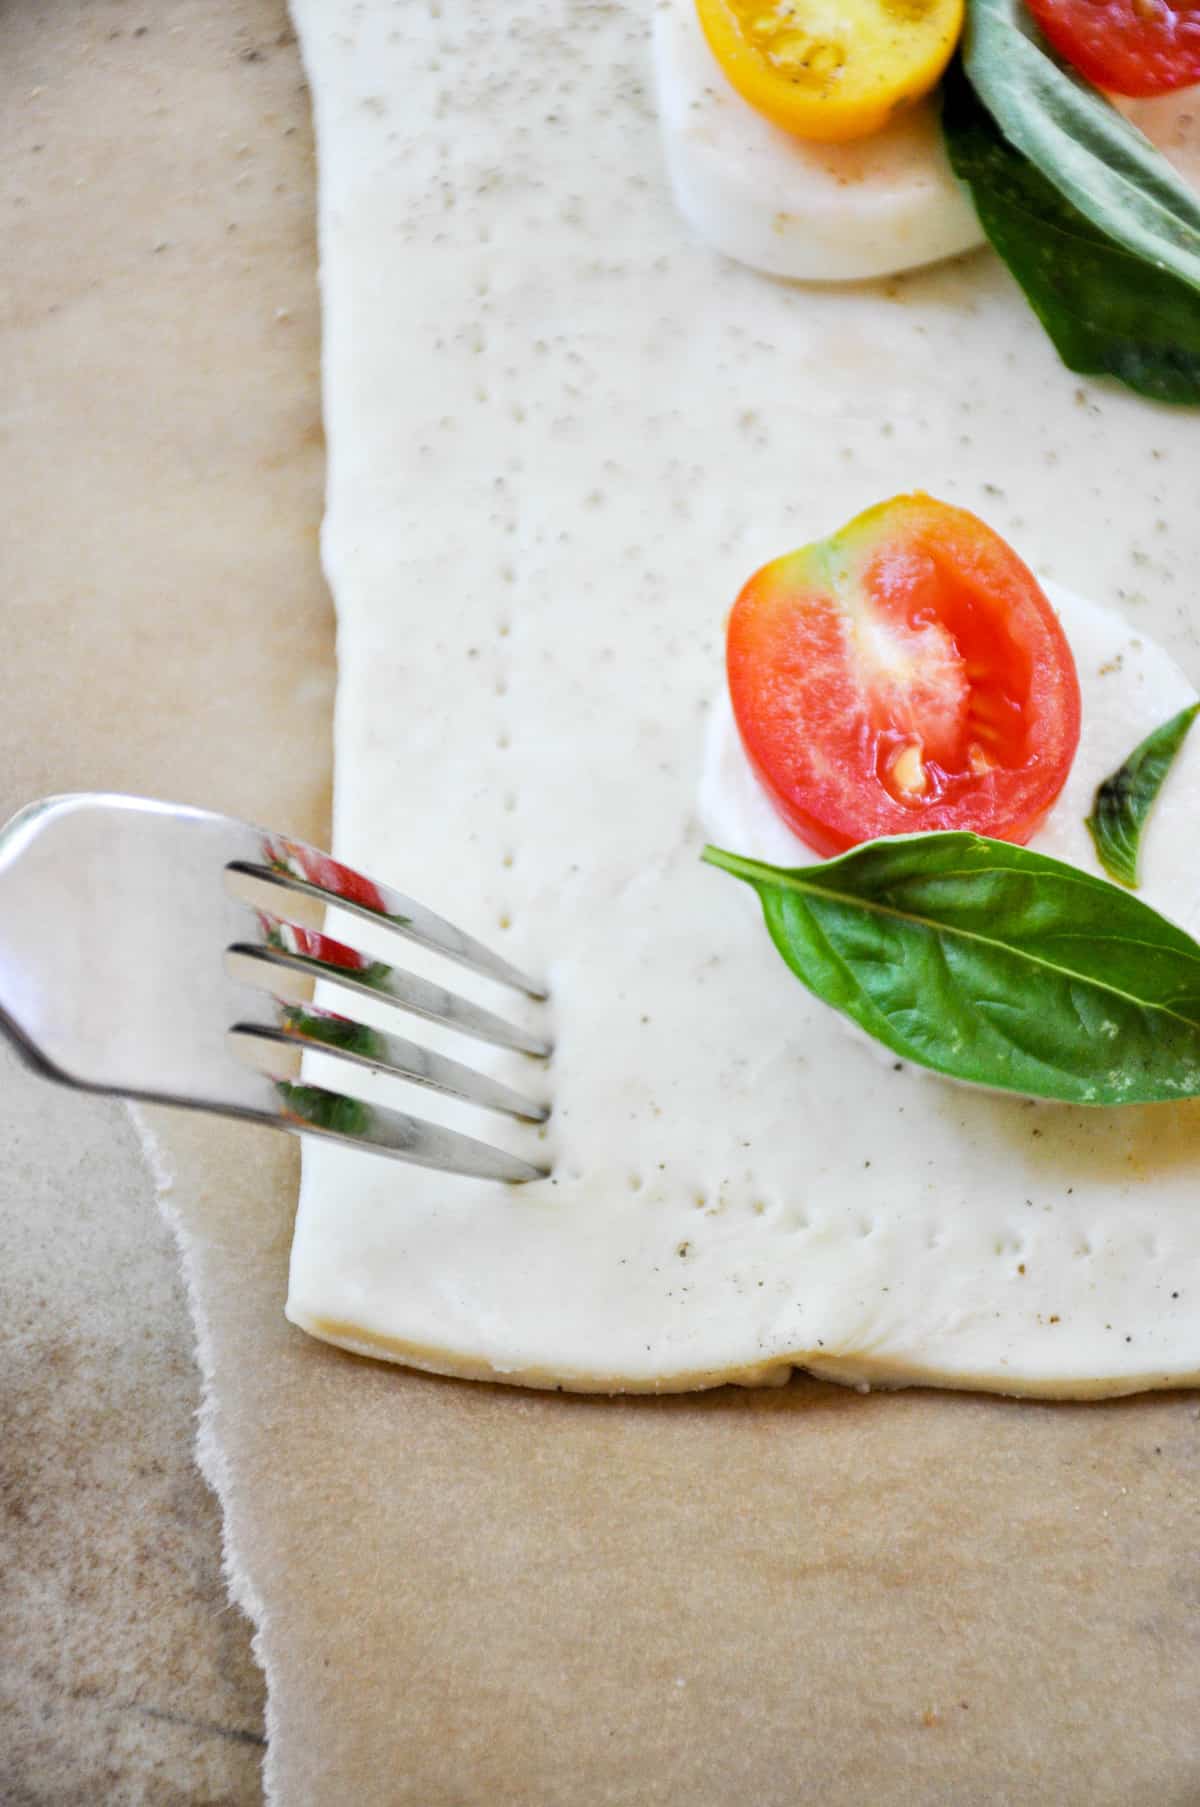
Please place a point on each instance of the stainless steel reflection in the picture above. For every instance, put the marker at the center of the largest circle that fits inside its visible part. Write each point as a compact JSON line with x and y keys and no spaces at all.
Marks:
{"x":346,"y":970}
{"x":128,"y":965}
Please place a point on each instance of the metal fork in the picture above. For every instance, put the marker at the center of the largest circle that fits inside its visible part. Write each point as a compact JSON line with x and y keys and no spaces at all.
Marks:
{"x":156,"y":952}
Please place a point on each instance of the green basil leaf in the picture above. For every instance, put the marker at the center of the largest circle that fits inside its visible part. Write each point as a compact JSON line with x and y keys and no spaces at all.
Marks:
{"x":1097,"y":160}
{"x":1123,"y":800}
{"x":1108,"y":312}
{"x":337,"y":1032}
{"x":324,"y":1110}
{"x":993,"y":964}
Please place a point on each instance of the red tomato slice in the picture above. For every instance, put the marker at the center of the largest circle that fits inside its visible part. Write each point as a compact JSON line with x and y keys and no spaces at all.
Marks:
{"x":1127,"y":46}
{"x":906,"y":674}
{"x":330,"y":874}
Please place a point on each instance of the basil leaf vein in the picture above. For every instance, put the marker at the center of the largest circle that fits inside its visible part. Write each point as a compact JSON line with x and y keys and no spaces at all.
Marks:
{"x":992,"y":964}
{"x":1124,"y":799}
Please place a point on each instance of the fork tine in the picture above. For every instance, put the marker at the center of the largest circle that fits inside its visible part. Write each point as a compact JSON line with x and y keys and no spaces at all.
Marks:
{"x":394,"y":1056}
{"x":313,"y":1110}
{"x":164,"y":875}
{"x":294,"y":866}
{"x":350,"y":970}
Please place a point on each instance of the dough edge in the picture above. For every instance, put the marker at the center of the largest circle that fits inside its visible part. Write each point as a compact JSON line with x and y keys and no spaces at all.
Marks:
{"x":864,"y":1373}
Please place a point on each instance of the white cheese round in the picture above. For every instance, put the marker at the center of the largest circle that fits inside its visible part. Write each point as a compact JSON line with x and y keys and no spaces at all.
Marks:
{"x":816,"y":212}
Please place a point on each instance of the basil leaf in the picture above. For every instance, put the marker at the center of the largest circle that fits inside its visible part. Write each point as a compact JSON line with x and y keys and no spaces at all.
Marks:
{"x":993,"y":964}
{"x":1123,"y":800}
{"x":324,"y":1110}
{"x":1107,"y":311}
{"x":1097,"y":160}
{"x":337,"y":1032}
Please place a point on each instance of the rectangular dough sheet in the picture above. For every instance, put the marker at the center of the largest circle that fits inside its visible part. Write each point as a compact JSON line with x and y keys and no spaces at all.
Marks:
{"x":562,"y":434}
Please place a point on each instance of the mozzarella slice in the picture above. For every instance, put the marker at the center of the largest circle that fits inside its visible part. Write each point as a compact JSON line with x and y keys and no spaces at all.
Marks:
{"x":816,"y":212}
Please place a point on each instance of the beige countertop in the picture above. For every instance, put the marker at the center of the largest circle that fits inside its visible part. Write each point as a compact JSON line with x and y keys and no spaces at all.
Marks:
{"x":125,"y":1674}
{"x":162,"y":459}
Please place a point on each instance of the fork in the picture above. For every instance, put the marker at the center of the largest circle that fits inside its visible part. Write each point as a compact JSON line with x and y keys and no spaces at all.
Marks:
{"x":161,"y":952}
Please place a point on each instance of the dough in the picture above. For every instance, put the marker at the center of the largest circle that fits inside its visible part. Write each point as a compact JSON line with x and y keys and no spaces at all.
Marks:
{"x":561,"y":435}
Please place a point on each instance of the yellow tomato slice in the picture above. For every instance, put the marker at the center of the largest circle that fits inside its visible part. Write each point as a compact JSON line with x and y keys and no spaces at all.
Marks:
{"x":831,"y":69}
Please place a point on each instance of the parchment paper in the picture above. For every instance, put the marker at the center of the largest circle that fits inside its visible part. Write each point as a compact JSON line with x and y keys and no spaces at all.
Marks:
{"x":473,"y":1595}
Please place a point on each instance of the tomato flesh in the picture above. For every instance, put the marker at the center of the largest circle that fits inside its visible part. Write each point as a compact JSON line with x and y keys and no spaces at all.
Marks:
{"x":340,"y":881}
{"x":1136,"y":47}
{"x":323,"y":870}
{"x":831,"y":70}
{"x":906,"y":674}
